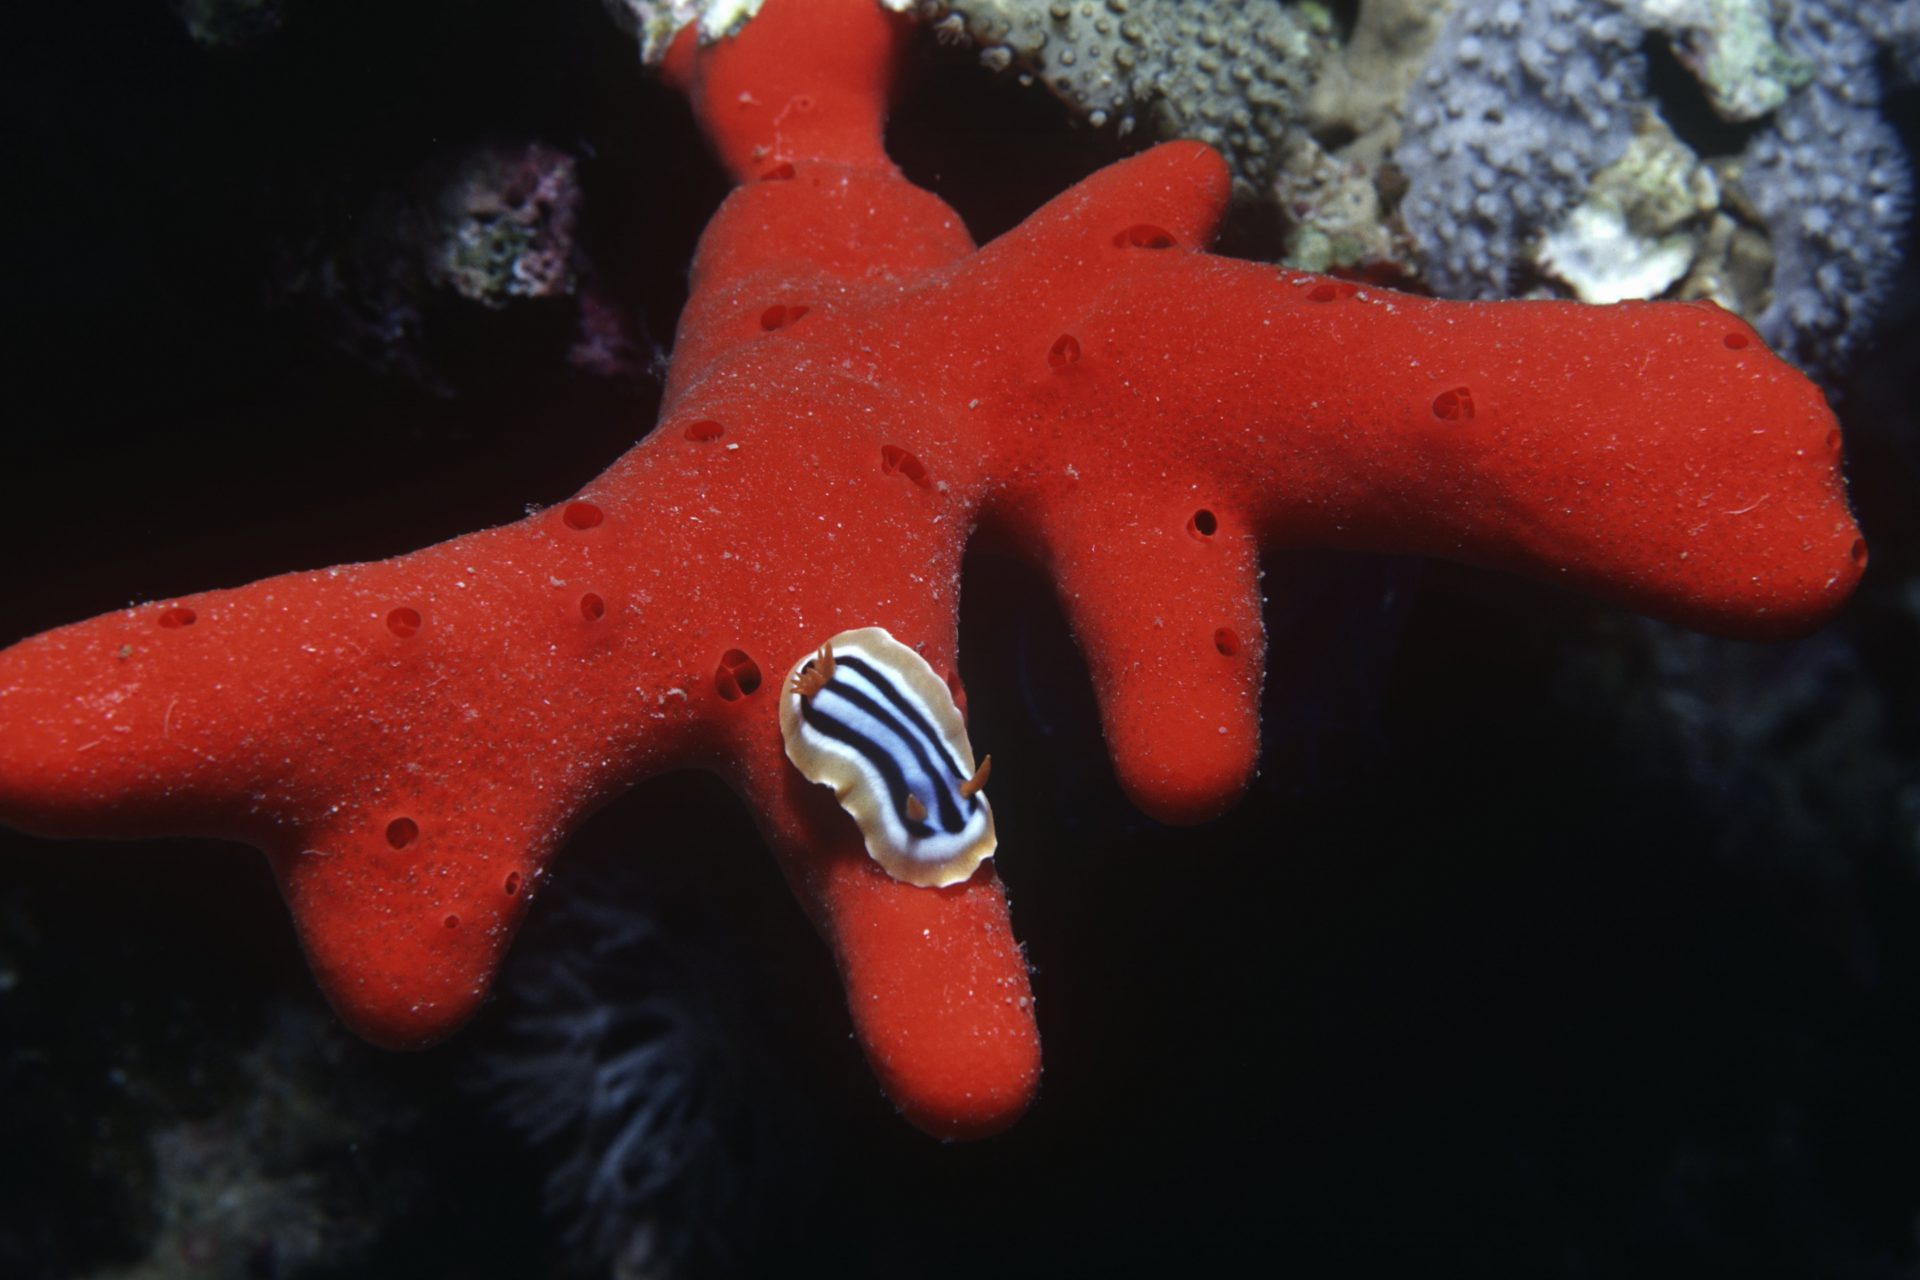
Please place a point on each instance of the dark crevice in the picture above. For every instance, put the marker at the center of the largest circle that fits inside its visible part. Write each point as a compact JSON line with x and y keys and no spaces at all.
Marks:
{"x":1687,"y":110}
{"x":1346,"y":16}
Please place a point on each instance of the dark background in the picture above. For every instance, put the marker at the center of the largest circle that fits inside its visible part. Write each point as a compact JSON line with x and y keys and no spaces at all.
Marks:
{"x":1549,"y":943}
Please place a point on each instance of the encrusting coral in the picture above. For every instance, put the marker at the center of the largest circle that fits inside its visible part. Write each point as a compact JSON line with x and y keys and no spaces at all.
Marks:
{"x":1231,"y":76}
{"x":855,"y":388}
{"x":1534,"y":144}
{"x":1519,"y":104}
{"x":1834,"y":188}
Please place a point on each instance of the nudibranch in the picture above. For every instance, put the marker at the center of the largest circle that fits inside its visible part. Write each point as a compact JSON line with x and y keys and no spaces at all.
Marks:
{"x":868,"y":716}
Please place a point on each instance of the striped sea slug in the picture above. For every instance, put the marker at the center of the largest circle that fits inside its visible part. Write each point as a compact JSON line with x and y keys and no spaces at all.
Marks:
{"x":867,"y":716}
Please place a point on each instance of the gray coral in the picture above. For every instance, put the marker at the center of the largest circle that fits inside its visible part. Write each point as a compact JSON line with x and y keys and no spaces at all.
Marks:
{"x":1517,"y":126}
{"x":1520,"y":104}
{"x":1834,"y":189}
{"x":1232,"y":76}
{"x":1895,"y":24}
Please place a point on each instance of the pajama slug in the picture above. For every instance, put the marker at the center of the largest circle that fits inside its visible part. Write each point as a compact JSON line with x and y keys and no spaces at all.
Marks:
{"x":868,"y":717}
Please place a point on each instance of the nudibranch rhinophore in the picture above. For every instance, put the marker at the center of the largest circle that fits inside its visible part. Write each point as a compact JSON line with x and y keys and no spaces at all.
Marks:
{"x":868,"y":716}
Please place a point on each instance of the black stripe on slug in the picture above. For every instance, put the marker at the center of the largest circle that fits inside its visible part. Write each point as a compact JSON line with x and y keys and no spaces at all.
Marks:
{"x":906,"y":721}
{"x":915,"y":737}
{"x":883,"y":680}
{"x":874,"y":754}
